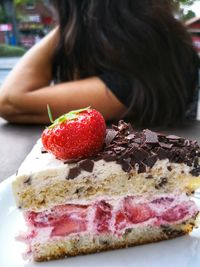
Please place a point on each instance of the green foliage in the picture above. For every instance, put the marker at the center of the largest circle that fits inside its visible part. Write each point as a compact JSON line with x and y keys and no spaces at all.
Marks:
{"x":11,"y":51}
{"x":3,"y":16}
{"x":28,"y":2}
{"x":189,"y":15}
{"x":181,"y":7}
{"x":19,"y":2}
{"x":186,"y":2}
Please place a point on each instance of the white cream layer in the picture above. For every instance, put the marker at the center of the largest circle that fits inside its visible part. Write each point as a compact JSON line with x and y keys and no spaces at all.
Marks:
{"x":39,"y":164}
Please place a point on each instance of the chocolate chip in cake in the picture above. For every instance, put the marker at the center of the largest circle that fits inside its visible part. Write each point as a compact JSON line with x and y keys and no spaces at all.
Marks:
{"x":171,"y":232}
{"x":73,"y":173}
{"x":103,"y":242}
{"x":28,"y":181}
{"x":87,"y":165}
{"x":196,"y":162}
{"x":169,"y":168}
{"x":149,"y":176}
{"x":79,"y":190}
{"x":162,"y":181}
{"x":128,"y":231}
{"x":195,"y":171}
{"x":43,"y":150}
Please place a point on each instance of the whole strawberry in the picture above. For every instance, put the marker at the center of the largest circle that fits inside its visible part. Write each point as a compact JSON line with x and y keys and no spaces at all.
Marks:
{"x":77,"y":134}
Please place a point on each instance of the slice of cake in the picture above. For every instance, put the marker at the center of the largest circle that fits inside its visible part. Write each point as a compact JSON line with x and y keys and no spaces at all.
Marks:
{"x":133,"y":190}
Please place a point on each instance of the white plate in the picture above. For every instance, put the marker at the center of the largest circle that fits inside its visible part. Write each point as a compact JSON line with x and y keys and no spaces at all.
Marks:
{"x":183,"y":251}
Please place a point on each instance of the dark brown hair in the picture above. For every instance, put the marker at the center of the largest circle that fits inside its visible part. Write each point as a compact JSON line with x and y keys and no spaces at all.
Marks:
{"x":140,"y":41}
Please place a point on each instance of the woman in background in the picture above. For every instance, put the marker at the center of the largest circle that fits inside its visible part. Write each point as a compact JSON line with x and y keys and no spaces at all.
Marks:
{"x":123,"y":58}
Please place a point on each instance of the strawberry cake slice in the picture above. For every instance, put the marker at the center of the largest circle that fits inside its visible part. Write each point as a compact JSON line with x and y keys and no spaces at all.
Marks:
{"x":85,"y":189}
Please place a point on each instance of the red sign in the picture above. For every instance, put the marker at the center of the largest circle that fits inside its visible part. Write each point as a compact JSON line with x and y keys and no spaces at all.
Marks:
{"x":28,"y":41}
{"x":47,"y":20}
{"x":5,"y":27}
{"x":196,"y":41}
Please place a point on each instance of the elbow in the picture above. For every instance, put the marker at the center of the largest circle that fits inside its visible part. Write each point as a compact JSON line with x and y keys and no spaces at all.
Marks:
{"x":8,"y":109}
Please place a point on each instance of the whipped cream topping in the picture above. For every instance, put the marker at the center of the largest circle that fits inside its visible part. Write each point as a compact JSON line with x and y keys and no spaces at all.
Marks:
{"x":38,"y":164}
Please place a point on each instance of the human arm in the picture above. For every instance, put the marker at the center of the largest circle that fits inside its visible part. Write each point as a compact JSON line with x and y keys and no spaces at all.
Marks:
{"x":31,"y":107}
{"x":27,"y":90}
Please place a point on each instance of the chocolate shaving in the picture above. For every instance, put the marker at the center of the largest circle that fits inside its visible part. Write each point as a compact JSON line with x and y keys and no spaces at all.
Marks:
{"x":142,"y":168}
{"x":110,"y":136}
{"x":150,"y":137}
{"x":87,"y":165}
{"x":150,"y":161}
{"x":137,"y":140}
{"x":126,"y":165}
{"x":162,"y":153}
{"x":73,"y":173}
{"x":173,"y":137}
{"x":68,"y":161}
{"x":139,"y":155}
{"x":130,"y":128}
{"x":109,"y":158}
{"x":165,"y":145}
{"x":122,"y":126}
{"x":130,"y":137}
{"x":141,"y":150}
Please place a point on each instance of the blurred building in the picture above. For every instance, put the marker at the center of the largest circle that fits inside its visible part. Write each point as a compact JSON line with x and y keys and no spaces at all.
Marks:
{"x":35,"y":20}
{"x":193,"y":26}
{"x":5,"y":32}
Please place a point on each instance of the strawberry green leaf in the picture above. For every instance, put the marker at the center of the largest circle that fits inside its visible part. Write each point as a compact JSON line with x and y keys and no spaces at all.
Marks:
{"x":66,"y":117}
{"x":78,"y":111}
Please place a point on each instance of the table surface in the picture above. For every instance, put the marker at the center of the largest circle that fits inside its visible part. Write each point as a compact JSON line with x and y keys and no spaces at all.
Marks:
{"x":16,"y":142}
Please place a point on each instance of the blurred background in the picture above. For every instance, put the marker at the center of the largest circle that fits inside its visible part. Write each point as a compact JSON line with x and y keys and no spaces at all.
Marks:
{"x":24,"y":22}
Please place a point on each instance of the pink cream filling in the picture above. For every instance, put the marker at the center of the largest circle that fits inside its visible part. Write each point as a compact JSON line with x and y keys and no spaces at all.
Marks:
{"x":106,"y":216}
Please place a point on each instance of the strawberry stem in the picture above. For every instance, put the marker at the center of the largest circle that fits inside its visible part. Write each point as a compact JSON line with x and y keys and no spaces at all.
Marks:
{"x":50,"y":114}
